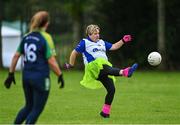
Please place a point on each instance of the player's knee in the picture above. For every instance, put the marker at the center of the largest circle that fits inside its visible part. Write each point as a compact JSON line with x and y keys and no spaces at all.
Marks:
{"x":27,"y":108}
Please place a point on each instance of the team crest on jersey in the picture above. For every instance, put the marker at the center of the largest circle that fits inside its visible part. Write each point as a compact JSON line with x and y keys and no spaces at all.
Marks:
{"x":96,"y":49}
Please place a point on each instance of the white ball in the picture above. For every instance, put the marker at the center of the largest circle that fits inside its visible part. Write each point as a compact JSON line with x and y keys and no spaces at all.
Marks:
{"x":154,"y":58}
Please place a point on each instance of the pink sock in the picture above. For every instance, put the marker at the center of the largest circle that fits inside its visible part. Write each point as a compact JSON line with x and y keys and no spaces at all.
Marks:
{"x":106,"y":108}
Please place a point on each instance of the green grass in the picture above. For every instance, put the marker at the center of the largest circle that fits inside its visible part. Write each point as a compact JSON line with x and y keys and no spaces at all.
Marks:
{"x":146,"y":98}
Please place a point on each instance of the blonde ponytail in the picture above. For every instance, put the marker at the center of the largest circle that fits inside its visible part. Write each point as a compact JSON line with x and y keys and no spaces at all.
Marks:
{"x":39,"y":20}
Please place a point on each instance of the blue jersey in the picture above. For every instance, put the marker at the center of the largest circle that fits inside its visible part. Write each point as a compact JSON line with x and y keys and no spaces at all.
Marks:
{"x":93,"y":50}
{"x":36,"y":47}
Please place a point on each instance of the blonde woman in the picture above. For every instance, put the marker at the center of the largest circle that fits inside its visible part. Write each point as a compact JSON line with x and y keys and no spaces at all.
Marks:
{"x":39,"y":53}
{"x":98,"y":70}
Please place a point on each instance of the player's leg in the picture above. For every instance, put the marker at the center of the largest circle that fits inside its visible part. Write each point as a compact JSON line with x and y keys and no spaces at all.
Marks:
{"x":127,"y":72}
{"x":109,"y":85}
{"x":40,"y":97}
{"x":108,"y":70}
{"x":21,"y":116}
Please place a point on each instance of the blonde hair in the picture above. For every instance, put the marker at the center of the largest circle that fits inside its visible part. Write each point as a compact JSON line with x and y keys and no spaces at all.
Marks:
{"x":91,"y":29}
{"x":39,"y":20}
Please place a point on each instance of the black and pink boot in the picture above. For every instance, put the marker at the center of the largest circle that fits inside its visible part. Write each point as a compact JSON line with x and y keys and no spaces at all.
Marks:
{"x":105,"y":113}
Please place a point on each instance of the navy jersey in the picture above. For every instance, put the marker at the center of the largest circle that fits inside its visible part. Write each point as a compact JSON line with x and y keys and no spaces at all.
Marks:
{"x":36,"y":47}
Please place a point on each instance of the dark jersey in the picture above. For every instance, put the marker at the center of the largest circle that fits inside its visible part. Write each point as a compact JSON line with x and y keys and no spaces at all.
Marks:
{"x":36,"y":47}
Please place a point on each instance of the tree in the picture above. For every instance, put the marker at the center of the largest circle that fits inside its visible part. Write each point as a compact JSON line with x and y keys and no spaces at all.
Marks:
{"x":1,"y":17}
{"x":161,"y":32}
{"x":76,"y":8}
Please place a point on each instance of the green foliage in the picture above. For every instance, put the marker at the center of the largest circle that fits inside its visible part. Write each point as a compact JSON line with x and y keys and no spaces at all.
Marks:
{"x":149,"y":97}
{"x":172,"y":34}
{"x":115,"y":17}
{"x":129,"y":18}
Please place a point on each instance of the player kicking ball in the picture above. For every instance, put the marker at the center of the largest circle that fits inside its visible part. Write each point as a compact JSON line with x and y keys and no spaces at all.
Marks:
{"x":98,"y":70}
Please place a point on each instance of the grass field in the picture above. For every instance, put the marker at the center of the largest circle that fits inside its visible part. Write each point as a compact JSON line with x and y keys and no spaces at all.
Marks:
{"x":146,"y":98}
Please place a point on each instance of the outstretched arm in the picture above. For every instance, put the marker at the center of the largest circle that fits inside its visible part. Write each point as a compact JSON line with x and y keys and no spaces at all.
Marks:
{"x":72,"y":58}
{"x":117,"y":45}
